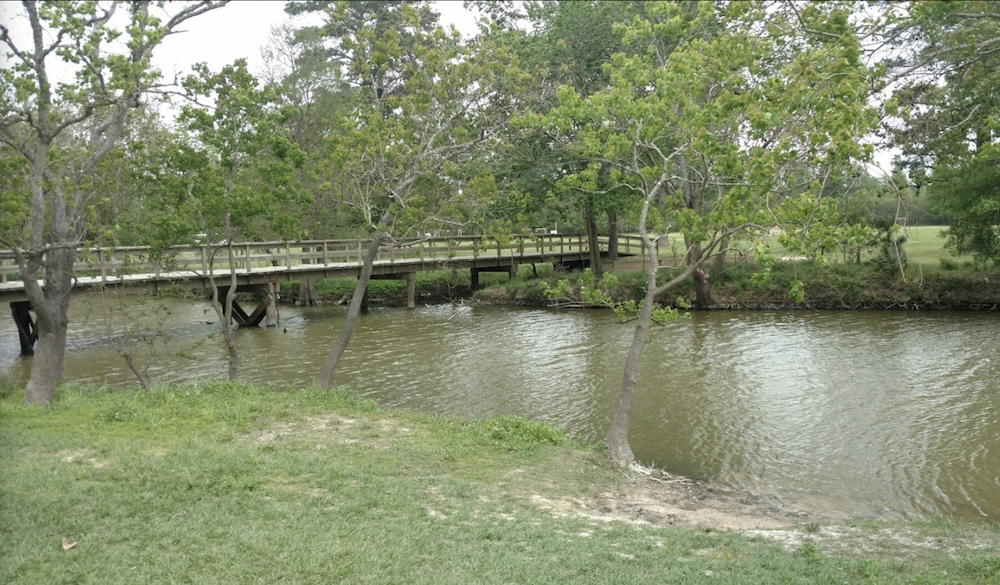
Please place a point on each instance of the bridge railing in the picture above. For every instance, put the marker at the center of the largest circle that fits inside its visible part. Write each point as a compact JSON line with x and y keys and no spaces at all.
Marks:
{"x":248,"y":257}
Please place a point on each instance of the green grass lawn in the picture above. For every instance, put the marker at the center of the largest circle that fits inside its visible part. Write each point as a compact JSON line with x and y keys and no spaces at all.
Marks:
{"x":230,"y":483}
{"x":924,"y":245}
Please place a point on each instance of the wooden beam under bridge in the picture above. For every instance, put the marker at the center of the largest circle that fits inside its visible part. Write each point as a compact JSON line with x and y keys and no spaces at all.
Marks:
{"x":27,"y":331}
{"x":267,"y":308}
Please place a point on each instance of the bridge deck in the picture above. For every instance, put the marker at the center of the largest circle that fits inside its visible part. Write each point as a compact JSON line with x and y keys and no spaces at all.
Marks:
{"x":258,"y":263}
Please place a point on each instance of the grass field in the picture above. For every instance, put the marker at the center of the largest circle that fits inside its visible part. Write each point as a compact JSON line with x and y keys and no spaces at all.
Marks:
{"x":229,"y":483}
{"x":924,"y":245}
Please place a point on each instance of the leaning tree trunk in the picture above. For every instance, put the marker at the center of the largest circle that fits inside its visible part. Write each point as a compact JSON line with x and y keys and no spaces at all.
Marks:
{"x":616,"y":445}
{"x":224,"y":310}
{"x":325,"y":376}
{"x":139,"y":373}
{"x":230,"y":335}
{"x":52,"y":312}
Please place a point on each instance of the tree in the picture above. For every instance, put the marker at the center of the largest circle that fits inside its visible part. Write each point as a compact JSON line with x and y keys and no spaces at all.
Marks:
{"x":568,"y":44}
{"x":64,"y":131}
{"x":250,"y":173}
{"x":422,"y":102}
{"x":310,"y":82}
{"x":720,"y":115}
{"x":944,"y":116}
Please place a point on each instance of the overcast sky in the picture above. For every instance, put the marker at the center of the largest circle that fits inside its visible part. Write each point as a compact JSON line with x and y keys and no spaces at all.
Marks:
{"x":242,"y":27}
{"x":221,"y":36}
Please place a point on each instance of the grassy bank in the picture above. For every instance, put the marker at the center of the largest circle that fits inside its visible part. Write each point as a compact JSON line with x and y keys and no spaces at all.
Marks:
{"x":830,"y":286}
{"x":933,"y":279}
{"x":239,"y":484}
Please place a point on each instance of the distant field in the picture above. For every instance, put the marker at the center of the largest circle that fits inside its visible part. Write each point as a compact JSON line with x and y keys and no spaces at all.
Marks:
{"x":924,"y":245}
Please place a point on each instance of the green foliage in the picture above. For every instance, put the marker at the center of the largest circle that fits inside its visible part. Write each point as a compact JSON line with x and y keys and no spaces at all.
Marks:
{"x":587,"y":292}
{"x":982,"y":566}
{"x":890,"y":258}
{"x":515,"y":433}
{"x":8,"y":386}
{"x":968,"y":190}
{"x":943,"y":117}
{"x":249,"y":187}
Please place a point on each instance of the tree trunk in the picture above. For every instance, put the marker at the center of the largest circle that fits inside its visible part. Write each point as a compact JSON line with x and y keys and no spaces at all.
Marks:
{"x":224,"y":310}
{"x":612,"y":236}
{"x":702,"y":286}
{"x":703,"y":289}
{"x":143,"y":378}
{"x":592,"y":242}
{"x":307,"y":295}
{"x":325,"y":376}
{"x":720,"y":257}
{"x":51,"y":312}
{"x":47,"y":364}
{"x":616,"y":445}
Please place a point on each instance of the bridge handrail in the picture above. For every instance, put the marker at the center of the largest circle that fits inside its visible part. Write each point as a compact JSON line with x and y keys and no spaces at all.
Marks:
{"x":107,"y":262}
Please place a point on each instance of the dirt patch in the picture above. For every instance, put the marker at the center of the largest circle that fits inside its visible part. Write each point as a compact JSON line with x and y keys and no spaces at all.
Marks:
{"x":891,"y":541}
{"x":656,"y":498}
{"x":81,"y":456}
{"x":324,"y":430}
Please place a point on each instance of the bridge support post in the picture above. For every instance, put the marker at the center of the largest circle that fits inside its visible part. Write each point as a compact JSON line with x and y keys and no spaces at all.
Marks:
{"x":271,"y":312}
{"x":411,"y":290}
{"x":474,"y":279}
{"x":26,"y":330}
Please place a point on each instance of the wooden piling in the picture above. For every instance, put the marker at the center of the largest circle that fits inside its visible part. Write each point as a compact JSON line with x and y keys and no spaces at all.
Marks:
{"x":271,"y":312}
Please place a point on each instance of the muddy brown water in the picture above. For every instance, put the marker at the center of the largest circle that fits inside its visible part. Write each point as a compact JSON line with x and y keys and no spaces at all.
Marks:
{"x":846,"y":414}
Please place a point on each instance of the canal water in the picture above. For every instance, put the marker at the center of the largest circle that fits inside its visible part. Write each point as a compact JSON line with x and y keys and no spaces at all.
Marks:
{"x":847,"y":414}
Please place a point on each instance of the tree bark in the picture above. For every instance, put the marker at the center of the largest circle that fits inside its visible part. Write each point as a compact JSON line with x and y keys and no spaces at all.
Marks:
{"x":592,"y":242}
{"x":702,"y":285}
{"x":307,"y":295}
{"x":612,"y":236}
{"x":616,"y":445}
{"x":141,"y":375}
{"x":51,"y":313}
{"x":720,"y":257}
{"x":325,"y":376}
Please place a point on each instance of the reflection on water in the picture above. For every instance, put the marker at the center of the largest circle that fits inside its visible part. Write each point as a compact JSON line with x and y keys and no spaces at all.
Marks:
{"x":854,"y":414}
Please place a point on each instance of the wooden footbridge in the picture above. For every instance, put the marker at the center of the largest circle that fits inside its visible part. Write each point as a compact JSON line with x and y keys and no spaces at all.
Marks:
{"x":260,"y":266}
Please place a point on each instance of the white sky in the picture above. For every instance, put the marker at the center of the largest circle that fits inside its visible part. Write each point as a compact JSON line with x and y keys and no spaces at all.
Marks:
{"x":221,"y":36}
{"x":242,"y":27}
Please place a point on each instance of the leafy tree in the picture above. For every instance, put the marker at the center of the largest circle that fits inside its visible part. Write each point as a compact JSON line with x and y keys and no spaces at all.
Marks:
{"x":944,"y":116}
{"x":422,"y":102}
{"x":569,"y":43}
{"x":64,"y":131}
{"x":722,"y":113}
{"x":312,"y":88}
{"x":249,"y":180}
